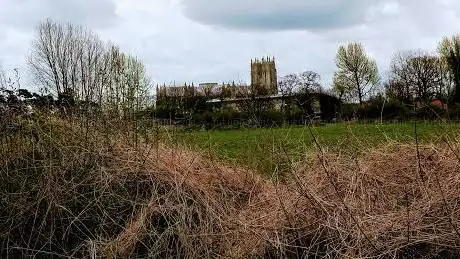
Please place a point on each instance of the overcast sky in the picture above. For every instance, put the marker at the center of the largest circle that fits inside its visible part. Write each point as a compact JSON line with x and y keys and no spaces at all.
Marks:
{"x":214,"y":40}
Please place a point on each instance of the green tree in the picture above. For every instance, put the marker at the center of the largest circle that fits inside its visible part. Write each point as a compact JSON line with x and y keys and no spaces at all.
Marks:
{"x":357,"y":73}
{"x":449,"y":50}
{"x":128,"y":89}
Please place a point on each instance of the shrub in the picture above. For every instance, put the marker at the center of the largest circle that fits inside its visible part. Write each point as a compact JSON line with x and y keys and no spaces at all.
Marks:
{"x":373,"y":111}
{"x":453,"y":111}
{"x":165,"y":112}
{"x":430,"y":112}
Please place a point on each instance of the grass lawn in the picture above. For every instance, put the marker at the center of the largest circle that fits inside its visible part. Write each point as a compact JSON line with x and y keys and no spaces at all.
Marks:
{"x":275,"y":149}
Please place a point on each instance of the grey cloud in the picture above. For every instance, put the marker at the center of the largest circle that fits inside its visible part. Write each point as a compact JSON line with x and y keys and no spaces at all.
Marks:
{"x":279,"y":14}
{"x":25,"y":14}
{"x":175,"y":49}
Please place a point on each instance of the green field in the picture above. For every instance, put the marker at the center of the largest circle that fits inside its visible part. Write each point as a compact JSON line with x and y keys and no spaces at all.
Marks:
{"x":277,"y":149}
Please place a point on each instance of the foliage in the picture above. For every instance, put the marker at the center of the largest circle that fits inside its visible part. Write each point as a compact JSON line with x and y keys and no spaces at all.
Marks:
{"x":449,"y":50}
{"x":357,"y":73}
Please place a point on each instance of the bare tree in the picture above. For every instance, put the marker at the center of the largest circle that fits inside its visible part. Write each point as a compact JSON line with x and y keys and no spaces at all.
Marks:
{"x":53,"y":57}
{"x":304,"y":82}
{"x":297,"y":88}
{"x":288,"y":84}
{"x":416,"y":76}
{"x":396,"y":90}
{"x":3,"y":79}
{"x":70,"y":59}
{"x":357,"y":73}
{"x":9,"y":82}
{"x":309,"y":81}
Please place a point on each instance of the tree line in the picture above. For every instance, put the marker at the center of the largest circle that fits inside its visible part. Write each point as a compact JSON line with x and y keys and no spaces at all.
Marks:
{"x":415,"y":79}
{"x":414,"y":75}
{"x":71,"y":61}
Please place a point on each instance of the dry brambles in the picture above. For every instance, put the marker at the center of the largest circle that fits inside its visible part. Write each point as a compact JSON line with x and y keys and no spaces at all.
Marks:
{"x":72,"y":190}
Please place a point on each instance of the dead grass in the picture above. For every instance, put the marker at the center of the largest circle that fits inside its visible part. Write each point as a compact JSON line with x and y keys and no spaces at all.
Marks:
{"x":389,"y":204}
{"x":71,"y":191}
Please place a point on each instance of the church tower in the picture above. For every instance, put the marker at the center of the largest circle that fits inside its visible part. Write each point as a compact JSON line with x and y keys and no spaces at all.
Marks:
{"x":264,"y":76}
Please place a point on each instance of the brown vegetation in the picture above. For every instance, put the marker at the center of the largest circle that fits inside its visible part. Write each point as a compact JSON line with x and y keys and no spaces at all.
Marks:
{"x":78,"y":191}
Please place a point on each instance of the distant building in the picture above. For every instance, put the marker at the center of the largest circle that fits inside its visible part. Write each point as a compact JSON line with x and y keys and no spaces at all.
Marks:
{"x":263,"y":83}
{"x":264,"y":79}
{"x":208,"y":85}
{"x":176,"y":91}
{"x":262,"y":92}
{"x":208,"y":89}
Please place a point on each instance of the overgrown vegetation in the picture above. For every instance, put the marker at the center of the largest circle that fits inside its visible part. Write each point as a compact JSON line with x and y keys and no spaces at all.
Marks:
{"x":77,"y":189}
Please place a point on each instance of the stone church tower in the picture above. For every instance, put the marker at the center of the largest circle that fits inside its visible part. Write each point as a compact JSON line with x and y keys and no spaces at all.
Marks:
{"x":264,"y":77}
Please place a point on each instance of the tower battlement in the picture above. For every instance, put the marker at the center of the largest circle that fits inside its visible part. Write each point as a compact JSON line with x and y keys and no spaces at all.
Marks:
{"x":264,"y":76}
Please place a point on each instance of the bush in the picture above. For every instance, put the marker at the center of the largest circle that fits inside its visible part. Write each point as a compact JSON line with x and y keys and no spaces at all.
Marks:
{"x":396,"y":111}
{"x":430,"y":112}
{"x":67,"y":191}
{"x":270,"y":118}
{"x":373,"y":111}
{"x":164,"y":112}
{"x":453,"y":112}
{"x":293,"y":113}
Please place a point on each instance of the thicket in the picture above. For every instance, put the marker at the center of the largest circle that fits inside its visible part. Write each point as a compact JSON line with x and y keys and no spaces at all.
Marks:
{"x":100,"y":186}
